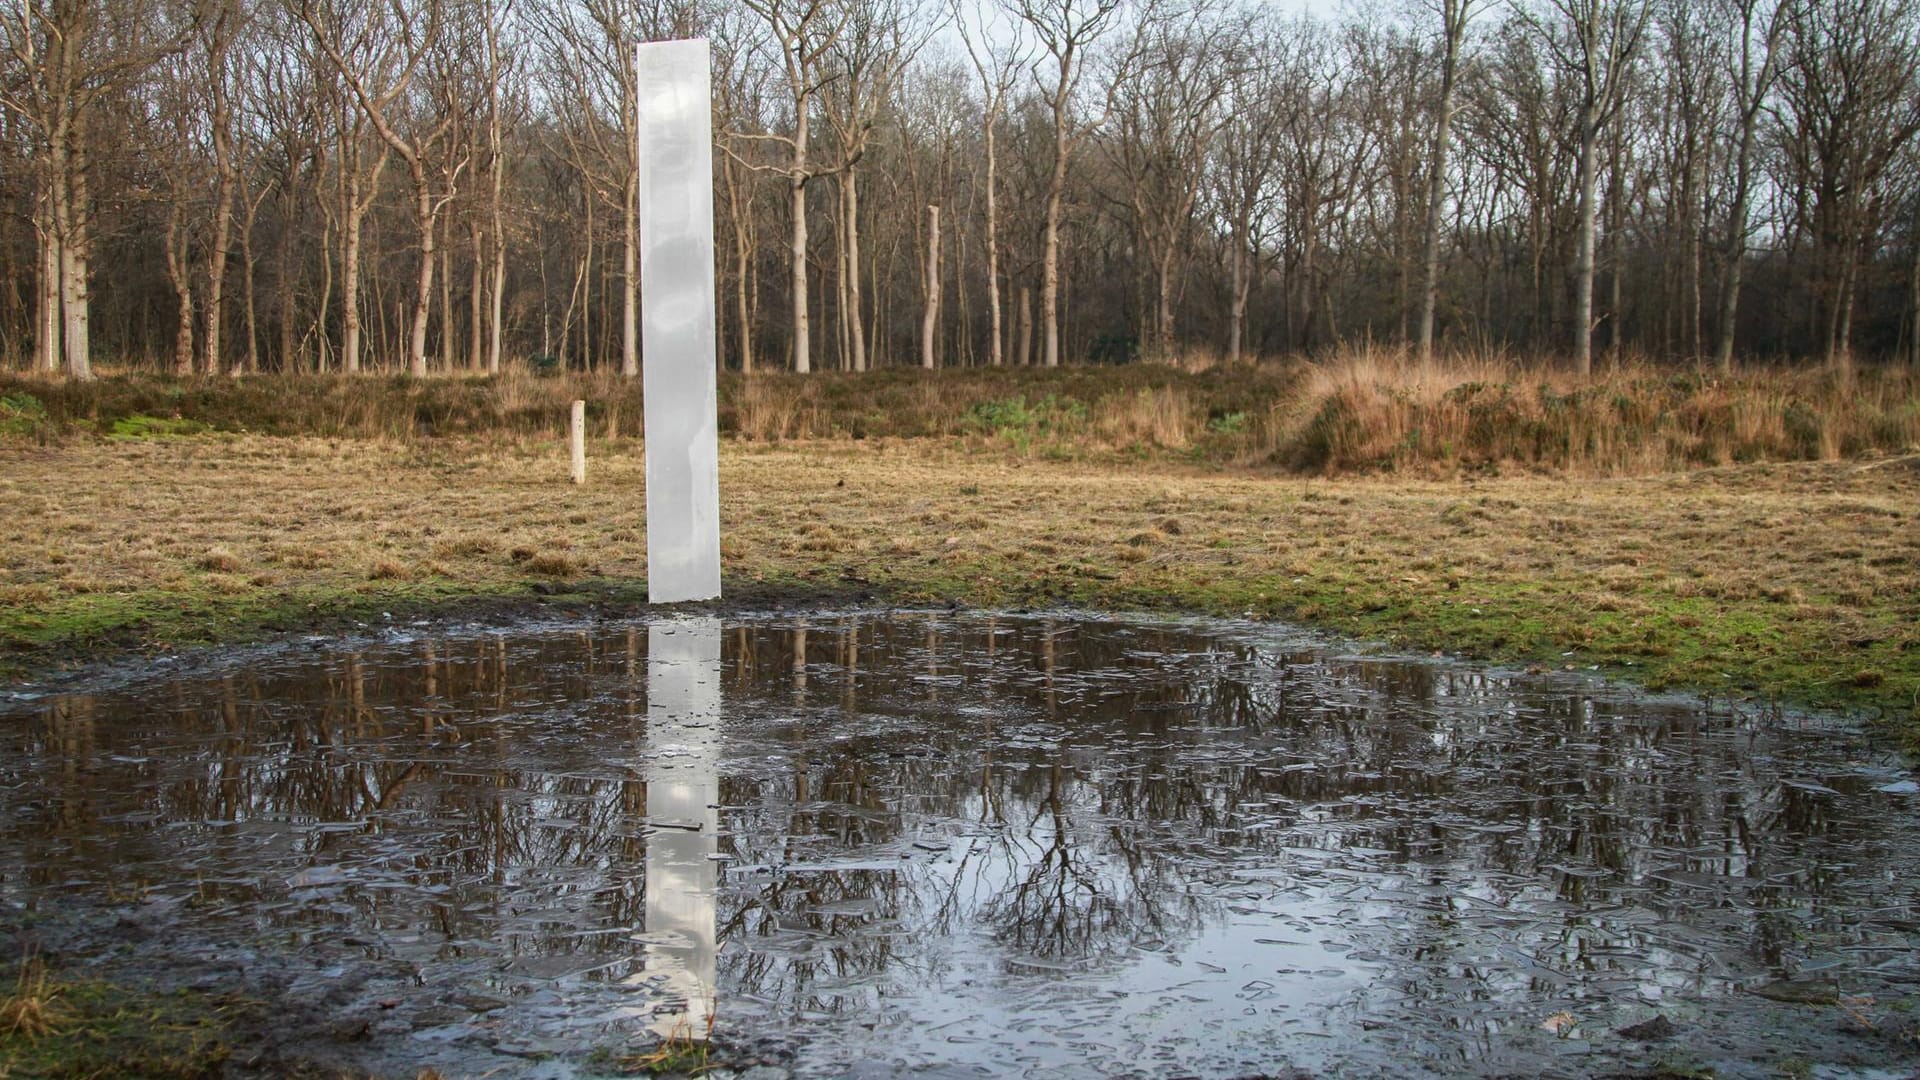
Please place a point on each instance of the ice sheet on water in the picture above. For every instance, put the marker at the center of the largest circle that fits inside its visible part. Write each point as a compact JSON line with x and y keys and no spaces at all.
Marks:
{"x":1083,"y":836}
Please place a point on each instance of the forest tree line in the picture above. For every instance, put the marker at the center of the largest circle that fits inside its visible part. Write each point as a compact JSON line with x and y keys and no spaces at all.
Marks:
{"x":448,"y":185}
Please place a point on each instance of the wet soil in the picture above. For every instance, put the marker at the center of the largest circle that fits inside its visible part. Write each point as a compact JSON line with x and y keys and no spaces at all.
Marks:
{"x":942,"y":844}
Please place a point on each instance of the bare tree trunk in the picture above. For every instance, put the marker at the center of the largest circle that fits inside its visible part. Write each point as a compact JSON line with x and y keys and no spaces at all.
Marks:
{"x":960,"y":328}
{"x":930,"y":313}
{"x":1163,"y":309}
{"x":630,"y":276}
{"x":854,"y":300}
{"x":1023,"y":351}
{"x":1242,"y":285}
{"x":797,"y":253}
{"x":586,"y":292}
{"x":1453,"y":26}
{"x":1696,"y":301}
{"x":69,"y":206}
{"x":742,"y":262}
{"x":843,"y":333}
{"x":75,"y":305}
{"x":180,"y":275}
{"x":289,"y":361}
{"x":1840,"y":350}
{"x":447,"y":342}
{"x":995,"y":357}
{"x":423,"y":293}
{"x":476,"y":298}
{"x":1616,"y":227}
{"x":224,"y":183}
{"x":496,"y":296}
{"x":350,"y":278}
{"x":1583,"y":259}
{"x":496,"y":202}
{"x":1913,"y":307}
{"x":46,"y":294}
{"x":1050,"y":250}
{"x":248,"y":281}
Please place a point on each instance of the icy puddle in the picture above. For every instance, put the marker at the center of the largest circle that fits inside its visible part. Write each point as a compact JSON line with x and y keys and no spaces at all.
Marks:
{"x":974,"y":844}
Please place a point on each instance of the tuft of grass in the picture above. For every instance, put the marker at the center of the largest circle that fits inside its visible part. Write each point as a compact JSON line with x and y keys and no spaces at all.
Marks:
{"x":34,"y":1009}
{"x":552,"y":565}
{"x":681,"y":1052}
{"x":61,"y":1029}
{"x":220,"y":560}
{"x":466,"y":547}
{"x":388,"y":570}
{"x":140,"y":426}
{"x":22,"y":413}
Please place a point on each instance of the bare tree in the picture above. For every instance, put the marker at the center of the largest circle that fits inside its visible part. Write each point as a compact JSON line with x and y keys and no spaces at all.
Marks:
{"x":1848,"y":109}
{"x":876,"y":43}
{"x":1166,"y":119}
{"x":1244,"y":165}
{"x":1454,"y":16}
{"x":219,"y":27}
{"x":380,"y":87}
{"x":360,"y":159}
{"x":180,"y":162}
{"x":1755,"y":62}
{"x":802,"y":33}
{"x":70,"y":56}
{"x":930,"y":309}
{"x":1593,"y":42}
{"x":1067,"y":31}
{"x":999,"y":56}
{"x":500,"y":67}
{"x":738,"y":90}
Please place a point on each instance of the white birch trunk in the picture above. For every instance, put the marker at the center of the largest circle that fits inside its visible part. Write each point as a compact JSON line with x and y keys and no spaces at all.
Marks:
{"x":930,"y":313}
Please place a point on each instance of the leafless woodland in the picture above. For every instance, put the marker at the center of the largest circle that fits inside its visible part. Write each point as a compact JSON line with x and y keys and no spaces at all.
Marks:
{"x":449,"y":185}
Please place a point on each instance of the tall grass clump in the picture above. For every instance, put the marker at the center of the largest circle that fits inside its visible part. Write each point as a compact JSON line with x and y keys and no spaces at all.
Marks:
{"x":1380,"y":409}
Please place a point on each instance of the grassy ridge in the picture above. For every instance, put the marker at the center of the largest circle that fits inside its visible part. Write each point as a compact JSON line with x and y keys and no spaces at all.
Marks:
{"x":1138,"y":403}
{"x":1363,"y":411}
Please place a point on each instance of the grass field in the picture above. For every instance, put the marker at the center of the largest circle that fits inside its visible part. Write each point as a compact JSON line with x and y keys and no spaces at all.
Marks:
{"x":1792,"y":582}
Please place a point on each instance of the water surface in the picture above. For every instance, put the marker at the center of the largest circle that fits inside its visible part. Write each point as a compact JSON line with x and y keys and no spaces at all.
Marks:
{"x":886,"y":842}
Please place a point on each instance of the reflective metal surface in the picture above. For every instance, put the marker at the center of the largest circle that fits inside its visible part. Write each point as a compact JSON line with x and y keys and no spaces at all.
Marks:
{"x":677,"y":321}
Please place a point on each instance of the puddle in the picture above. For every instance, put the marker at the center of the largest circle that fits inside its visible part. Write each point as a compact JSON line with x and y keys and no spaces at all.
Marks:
{"x":975,"y":845}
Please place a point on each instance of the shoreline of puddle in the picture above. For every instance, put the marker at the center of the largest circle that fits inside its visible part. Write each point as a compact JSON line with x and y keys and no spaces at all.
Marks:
{"x":969,"y":843}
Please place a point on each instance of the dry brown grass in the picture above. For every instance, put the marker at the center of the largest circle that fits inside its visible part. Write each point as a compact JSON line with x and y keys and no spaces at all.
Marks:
{"x":1798,"y":579}
{"x":1362,"y":410}
{"x":1382,"y":408}
{"x":34,"y":1009}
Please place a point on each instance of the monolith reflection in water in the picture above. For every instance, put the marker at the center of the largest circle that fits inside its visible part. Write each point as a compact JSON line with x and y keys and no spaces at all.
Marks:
{"x":683,"y":790}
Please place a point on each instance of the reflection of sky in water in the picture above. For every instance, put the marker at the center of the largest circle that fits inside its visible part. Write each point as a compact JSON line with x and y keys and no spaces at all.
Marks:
{"x":930,"y":838}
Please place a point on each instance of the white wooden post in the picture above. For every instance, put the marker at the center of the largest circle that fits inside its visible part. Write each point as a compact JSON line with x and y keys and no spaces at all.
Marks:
{"x":677,"y":345}
{"x":577,"y":441}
